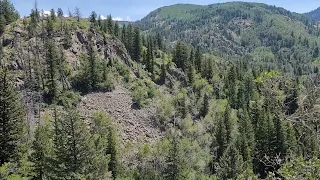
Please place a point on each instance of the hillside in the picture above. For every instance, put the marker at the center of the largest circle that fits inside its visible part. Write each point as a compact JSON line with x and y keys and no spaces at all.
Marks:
{"x":225,"y":91}
{"x":314,"y":15}
{"x":237,"y":29}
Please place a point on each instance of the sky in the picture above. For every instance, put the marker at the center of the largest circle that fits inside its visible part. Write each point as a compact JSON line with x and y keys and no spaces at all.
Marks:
{"x":132,"y":10}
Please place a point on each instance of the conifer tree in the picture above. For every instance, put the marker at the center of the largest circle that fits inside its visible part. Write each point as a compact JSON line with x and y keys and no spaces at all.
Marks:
{"x":52,"y":74}
{"x":230,"y":164}
{"x":77,"y":14}
{"x":221,"y":138}
{"x":73,"y":147}
{"x":172,"y":171}
{"x":12,"y":123}
{"x":137,"y":45}
{"x":42,"y":152}
{"x":116,"y":30}
{"x":2,"y":23}
{"x":93,"y":71}
{"x":124,"y":35}
{"x":163,"y":74}
{"x":246,"y":139}
{"x":113,"y":151}
{"x":60,"y":16}
{"x":53,"y":15}
{"x":198,"y":60}
{"x":110,"y":25}
{"x":205,"y":107}
{"x":93,"y":17}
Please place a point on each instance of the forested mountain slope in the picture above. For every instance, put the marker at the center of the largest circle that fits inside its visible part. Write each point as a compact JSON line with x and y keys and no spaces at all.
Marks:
{"x":226,"y":91}
{"x":315,"y":14}
{"x":239,"y":28}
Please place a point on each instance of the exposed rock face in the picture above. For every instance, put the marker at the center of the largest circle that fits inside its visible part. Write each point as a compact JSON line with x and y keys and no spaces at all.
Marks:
{"x":137,"y":126}
{"x":25,"y":47}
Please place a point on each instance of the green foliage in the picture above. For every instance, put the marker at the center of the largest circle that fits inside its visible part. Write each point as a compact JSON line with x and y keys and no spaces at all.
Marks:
{"x":143,"y":92}
{"x":42,"y":153}
{"x":12,"y":121}
{"x":301,"y":169}
{"x":230,"y":164}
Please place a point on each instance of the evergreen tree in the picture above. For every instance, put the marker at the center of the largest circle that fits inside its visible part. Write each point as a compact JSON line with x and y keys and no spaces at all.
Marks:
{"x":124,"y":35}
{"x":246,"y":139}
{"x":180,"y":55}
{"x":77,"y":14}
{"x":2,"y":23}
{"x":116,"y":30}
{"x":230,"y":164}
{"x":53,"y":15}
{"x":221,"y":138}
{"x":110,"y":25}
{"x":137,"y":45}
{"x":198,"y":60}
{"x":73,"y":147}
{"x":163,"y":74}
{"x":42,"y":153}
{"x":172,"y":170}
{"x":93,"y":17}
{"x":12,"y":124}
{"x":129,"y":39}
{"x":60,"y":16}
{"x":205,"y":107}
{"x":113,"y":151}
{"x":52,"y":74}
{"x":93,"y":71}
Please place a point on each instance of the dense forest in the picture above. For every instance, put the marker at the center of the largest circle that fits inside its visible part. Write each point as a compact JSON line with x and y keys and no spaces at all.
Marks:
{"x":224,"y":91}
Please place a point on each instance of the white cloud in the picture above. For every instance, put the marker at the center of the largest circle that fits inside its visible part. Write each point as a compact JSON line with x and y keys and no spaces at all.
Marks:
{"x":103,"y":17}
{"x":117,"y":19}
{"x":46,"y":13}
{"x":128,"y":18}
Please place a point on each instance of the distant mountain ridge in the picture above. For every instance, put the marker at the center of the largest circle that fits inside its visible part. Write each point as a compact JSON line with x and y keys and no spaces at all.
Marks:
{"x":315,"y":14}
{"x":235,"y":29}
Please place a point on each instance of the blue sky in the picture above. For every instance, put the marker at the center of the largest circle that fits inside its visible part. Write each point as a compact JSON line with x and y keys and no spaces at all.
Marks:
{"x":137,"y":9}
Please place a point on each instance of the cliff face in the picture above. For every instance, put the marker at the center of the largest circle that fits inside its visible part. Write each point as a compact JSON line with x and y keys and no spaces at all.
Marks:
{"x":19,"y":47}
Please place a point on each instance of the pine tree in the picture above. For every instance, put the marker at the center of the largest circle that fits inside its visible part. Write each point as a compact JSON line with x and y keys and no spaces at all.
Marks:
{"x":198,"y":60}
{"x":93,"y":71}
{"x":180,"y":55}
{"x":110,"y":25}
{"x":124,"y":35}
{"x":163,"y":74}
{"x":53,"y":15}
{"x":60,"y":16}
{"x":73,"y":147}
{"x":2,"y":23}
{"x":42,"y":152}
{"x":205,"y":107}
{"x":52,"y":79}
{"x":12,"y":124}
{"x":231,"y":86}
{"x":221,"y":138}
{"x":93,"y":17}
{"x":116,"y":30}
{"x":230,"y":164}
{"x":100,"y":131}
{"x":246,"y":139}
{"x":77,"y":14}
{"x":172,"y":170}
{"x":113,"y":151}
{"x":137,"y":45}
{"x":129,"y":39}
